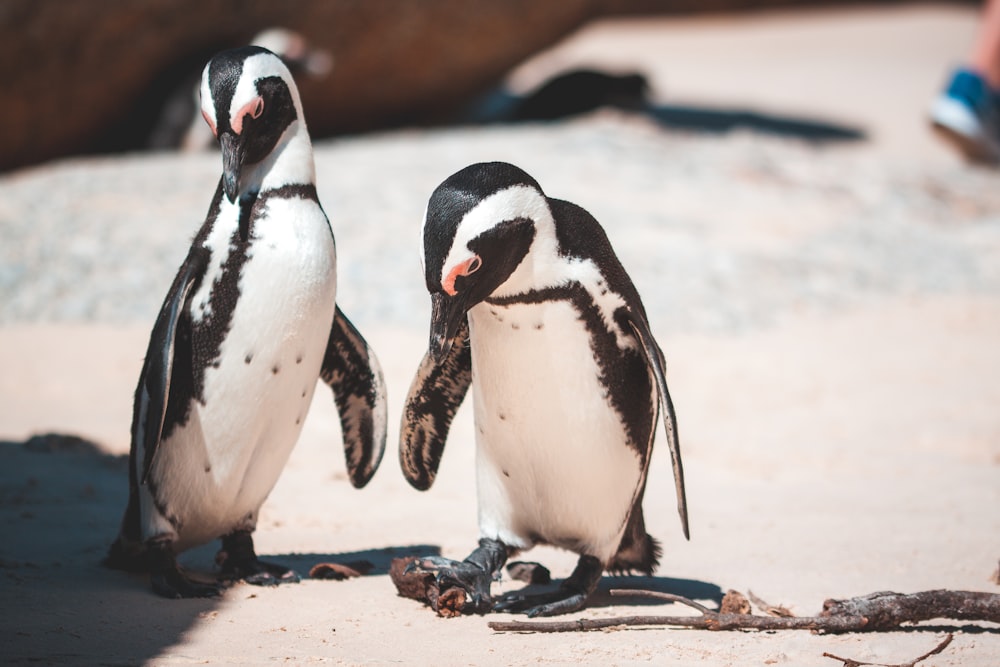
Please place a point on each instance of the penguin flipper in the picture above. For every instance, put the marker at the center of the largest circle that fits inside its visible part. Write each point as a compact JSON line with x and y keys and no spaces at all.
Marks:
{"x":436,"y":393}
{"x":153,"y":391}
{"x":355,"y":376}
{"x":658,"y":364}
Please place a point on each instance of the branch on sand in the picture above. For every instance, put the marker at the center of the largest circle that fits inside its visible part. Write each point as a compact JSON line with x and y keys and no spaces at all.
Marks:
{"x":877,"y":612}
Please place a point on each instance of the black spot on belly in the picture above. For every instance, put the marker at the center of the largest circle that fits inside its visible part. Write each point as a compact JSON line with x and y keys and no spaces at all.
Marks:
{"x":298,"y":359}
{"x":208,"y":467}
{"x":515,"y":326}
{"x":275,"y":369}
{"x":247,"y":359}
{"x":216,"y":363}
{"x":304,"y":392}
{"x":506,"y":474}
{"x":298,"y":420}
{"x":539,"y":326}
{"x":502,"y":416}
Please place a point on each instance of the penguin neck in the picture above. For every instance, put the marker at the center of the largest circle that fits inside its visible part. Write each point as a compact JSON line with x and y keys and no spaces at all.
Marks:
{"x":290,"y":163}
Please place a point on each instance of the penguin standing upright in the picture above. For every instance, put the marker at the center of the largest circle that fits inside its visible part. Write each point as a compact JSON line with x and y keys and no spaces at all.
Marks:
{"x":532,"y":309}
{"x":248,"y":327}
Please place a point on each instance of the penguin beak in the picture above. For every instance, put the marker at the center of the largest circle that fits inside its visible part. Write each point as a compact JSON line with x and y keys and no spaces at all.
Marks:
{"x":233,"y":155}
{"x":447,"y":313}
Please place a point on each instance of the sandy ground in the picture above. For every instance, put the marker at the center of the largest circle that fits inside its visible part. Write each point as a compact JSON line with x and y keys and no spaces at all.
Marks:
{"x":830,"y":317}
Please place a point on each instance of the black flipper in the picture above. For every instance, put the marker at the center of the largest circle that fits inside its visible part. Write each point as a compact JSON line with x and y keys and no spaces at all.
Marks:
{"x":434,"y":397}
{"x":658,"y":365}
{"x":153,"y":391}
{"x":353,"y":373}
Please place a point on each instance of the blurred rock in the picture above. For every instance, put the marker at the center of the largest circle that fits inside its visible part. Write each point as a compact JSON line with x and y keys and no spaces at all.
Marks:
{"x":93,"y":77}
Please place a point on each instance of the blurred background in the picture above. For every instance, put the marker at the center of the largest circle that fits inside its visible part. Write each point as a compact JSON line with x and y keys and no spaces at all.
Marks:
{"x":95,"y":77}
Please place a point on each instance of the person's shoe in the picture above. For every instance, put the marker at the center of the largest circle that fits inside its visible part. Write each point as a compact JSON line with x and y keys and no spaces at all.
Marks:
{"x":967,"y":114}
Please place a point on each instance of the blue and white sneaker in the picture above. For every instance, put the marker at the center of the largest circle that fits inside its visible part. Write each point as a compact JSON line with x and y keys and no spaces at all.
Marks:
{"x":968,"y":115}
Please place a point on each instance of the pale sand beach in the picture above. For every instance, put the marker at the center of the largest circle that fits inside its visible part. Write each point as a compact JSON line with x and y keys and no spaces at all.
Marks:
{"x":830,"y":315}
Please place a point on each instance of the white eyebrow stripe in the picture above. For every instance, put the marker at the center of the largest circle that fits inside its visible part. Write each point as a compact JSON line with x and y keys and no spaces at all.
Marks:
{"x":517,"y":201}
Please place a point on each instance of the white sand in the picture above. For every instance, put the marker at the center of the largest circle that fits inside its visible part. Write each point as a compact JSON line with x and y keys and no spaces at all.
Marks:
{"x":838,"y":439}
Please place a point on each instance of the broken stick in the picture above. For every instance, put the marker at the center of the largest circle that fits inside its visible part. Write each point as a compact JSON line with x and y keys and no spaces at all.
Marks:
{"x":870,"y":613}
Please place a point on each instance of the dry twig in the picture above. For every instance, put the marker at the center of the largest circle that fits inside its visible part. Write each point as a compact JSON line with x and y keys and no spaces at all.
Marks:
{"x":848,"y":662}
{"x":869,"y":613}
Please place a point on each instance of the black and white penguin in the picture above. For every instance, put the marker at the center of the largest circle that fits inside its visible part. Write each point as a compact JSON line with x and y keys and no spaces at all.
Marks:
{"x":248,"y":327}
{"x":533,"y":310}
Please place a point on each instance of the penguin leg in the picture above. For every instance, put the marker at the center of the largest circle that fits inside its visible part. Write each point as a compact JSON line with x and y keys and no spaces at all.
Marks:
{"x":475,"y":574}
{"x":167,"y":577}
{"x":572,"y":594}
{"x":239,"y":561}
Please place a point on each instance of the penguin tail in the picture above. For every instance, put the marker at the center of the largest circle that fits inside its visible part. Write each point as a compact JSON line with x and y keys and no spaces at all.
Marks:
{"x":637,"y":553}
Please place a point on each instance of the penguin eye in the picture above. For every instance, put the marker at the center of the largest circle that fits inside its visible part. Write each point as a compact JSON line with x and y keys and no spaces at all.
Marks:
{"x":258,"y":108}
{"x":473,"y":265}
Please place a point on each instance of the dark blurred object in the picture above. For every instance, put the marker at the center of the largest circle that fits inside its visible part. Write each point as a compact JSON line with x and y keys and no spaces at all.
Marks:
{"x":581,"y":91}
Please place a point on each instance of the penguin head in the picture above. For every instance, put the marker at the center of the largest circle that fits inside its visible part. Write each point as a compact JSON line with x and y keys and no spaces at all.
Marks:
{"x":481,"y":223}
{"x":250,"y":102}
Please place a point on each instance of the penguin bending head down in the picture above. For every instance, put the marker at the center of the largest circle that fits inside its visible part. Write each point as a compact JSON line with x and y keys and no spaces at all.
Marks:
{"x":247,"y":328}
{"x":533,"y":310}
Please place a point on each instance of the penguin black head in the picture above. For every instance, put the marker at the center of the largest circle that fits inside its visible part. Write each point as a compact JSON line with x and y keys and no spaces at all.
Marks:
{"x":480,"y":224}
{"x":249,"y":100}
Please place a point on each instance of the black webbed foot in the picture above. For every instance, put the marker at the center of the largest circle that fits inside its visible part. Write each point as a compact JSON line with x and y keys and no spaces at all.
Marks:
{"x":451,"y":573}
{"x":475,"y":574}
{"x":552,"y":603}
{"x":169,"y":579}
{"x":572,"y":594}
{"x":176,"y":584}
{"x":238,"y":562}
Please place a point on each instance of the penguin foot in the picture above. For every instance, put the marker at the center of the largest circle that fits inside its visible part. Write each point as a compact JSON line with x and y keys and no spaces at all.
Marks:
{"x":270,"y":574}
{"x":553,"y":603}
{"x":168,"y":578}
{"x":571,"y":596}
{"x":175,"y":584}
{"x":239,"y":562}
{"x":472,"y":578}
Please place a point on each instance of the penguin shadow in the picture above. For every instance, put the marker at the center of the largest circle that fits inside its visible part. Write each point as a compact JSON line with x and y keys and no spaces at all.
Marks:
{"x":693,"y":589}
{"x":61,"y":502}
{"x":368,"y":562}
{"x":579,"y":91}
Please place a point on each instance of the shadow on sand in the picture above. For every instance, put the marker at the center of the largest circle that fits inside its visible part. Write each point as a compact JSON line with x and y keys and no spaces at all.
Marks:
{"x":581,"y":91}
{"x":61,"y":499}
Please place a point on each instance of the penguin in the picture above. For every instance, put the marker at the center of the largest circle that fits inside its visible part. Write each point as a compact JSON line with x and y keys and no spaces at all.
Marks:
{"x":179,"y":125}
{"x":247,"y":328}
{"x":531,"y":308}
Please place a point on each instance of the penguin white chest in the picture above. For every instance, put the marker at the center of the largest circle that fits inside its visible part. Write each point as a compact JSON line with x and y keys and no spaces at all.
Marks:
{"x":225,"y":460}
{"x":553,"y":461}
